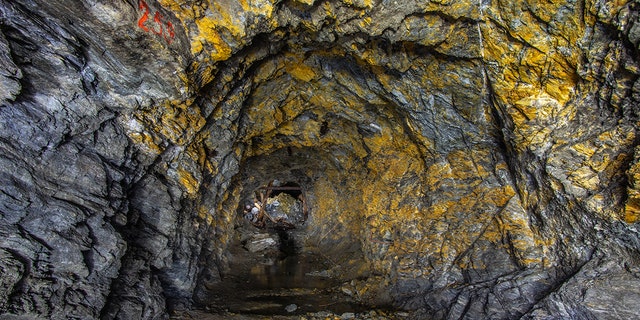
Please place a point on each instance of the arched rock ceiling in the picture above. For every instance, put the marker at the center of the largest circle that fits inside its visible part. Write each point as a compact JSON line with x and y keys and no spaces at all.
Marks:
{"x":463,"y":130}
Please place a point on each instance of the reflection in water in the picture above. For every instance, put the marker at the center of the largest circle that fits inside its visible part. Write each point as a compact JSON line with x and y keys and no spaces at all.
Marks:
{"x":290,"y":269}
{"x":294,"y":271}
{"x":267,"y":282}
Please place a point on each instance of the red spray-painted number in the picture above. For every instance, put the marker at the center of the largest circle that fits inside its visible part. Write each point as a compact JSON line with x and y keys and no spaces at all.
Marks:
{"x":157,"y":19}
{"x":167,"y":33}
{"x":145,"y":15}
{"x":171,"y":31}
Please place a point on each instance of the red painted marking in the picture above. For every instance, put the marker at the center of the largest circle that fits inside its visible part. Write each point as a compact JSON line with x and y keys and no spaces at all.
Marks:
{"x":157,"y":18}
{"x":172,"y":33}
{"x":143,"y":6}
{"x":168,"y":33}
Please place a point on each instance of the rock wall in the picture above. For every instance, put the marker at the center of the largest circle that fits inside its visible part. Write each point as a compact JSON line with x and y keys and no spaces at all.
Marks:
{"x":482,"y":155}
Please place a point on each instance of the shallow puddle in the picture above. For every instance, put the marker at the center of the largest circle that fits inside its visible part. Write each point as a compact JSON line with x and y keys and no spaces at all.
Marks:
{"x":285,"y":281}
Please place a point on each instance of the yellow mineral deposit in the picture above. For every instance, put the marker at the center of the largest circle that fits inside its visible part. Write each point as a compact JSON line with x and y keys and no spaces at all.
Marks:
{"x":536,"y":82}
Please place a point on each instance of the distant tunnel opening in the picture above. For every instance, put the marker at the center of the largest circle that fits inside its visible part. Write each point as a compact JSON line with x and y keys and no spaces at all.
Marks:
{"x":277,"y":206}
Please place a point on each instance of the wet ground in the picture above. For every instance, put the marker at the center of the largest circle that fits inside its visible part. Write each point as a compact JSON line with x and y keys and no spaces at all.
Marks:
{"x":286,"y":281}
{"x":324,"y":315}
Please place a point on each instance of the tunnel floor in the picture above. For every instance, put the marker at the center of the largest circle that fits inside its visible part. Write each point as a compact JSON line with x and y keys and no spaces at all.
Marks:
{"x":284,"y":280}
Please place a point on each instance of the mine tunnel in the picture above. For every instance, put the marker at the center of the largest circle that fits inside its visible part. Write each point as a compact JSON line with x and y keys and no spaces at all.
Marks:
{"x":340,"y":159}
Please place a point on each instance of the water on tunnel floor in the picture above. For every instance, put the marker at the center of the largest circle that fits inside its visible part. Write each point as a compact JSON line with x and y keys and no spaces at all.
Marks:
{"x":287,"y":279}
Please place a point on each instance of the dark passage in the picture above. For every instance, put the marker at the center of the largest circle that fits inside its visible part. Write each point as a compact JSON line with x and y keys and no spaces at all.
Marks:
{"x":291,"y":188}
{"x":287,"y":243}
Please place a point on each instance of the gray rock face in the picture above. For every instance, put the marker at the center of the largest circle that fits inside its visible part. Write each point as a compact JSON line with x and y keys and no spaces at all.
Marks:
{"x":66,"y":165}
{"x":11,"y":74}
{"x":481,"y":156}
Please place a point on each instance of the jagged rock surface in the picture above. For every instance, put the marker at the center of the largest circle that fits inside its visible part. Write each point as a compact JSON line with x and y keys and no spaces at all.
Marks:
{"x":481,"y":155}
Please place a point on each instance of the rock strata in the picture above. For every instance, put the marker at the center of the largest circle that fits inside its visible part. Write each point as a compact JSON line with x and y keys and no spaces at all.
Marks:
{"x":479,"y":159}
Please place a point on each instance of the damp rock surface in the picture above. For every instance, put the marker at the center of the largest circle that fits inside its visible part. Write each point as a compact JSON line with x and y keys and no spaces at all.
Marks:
{"x":456,"y":160}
